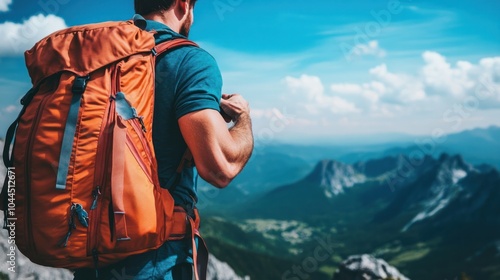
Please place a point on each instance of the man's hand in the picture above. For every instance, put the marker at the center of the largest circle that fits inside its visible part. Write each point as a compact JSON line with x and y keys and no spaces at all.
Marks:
{"x":233,"y":106}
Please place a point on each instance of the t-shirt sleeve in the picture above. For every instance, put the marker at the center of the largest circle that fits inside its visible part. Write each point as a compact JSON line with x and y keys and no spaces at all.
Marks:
{"x":199,"y":83}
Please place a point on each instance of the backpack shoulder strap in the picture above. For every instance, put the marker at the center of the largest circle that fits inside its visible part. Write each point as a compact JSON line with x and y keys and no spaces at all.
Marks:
{"x":159,"y":49}
{"x":171,"y":45}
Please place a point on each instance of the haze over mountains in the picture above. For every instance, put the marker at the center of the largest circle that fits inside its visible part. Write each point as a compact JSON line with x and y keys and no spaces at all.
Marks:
{"x":433,"y":221}
{"x":275,"y":165}
{"x":431,"y":216}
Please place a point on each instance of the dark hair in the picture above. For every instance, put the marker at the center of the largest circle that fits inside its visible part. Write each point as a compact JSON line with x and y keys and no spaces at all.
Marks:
{"x":145,"y":7}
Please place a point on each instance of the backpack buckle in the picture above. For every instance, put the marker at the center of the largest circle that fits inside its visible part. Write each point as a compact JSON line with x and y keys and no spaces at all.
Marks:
{"x":80,"y":84}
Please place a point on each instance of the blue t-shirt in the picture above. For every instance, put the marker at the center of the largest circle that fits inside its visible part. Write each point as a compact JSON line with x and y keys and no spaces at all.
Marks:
{"x":187,"y":80}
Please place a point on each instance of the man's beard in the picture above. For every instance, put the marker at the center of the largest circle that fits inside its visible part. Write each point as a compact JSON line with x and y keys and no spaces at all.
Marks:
{"x":186,"y":26}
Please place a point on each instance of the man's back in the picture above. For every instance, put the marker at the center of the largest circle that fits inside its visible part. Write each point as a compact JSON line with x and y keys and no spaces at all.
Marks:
{"x":187,"y":80}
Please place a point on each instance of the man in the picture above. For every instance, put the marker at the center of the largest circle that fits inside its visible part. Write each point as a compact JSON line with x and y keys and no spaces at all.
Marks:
{"x":187,"y":115}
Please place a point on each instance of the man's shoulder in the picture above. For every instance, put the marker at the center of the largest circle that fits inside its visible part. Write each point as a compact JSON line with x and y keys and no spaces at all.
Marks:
{"x":188,"y":53}
{"x":189,"y":60}
{"x":191,"y":54}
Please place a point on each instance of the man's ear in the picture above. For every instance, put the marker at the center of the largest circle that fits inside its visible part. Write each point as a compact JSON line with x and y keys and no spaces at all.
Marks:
{"x":182,"y":6}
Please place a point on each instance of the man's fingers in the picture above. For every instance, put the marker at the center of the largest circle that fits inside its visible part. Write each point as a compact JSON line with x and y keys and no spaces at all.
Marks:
{"x":233,"y":105}
{"x":224,"y":103}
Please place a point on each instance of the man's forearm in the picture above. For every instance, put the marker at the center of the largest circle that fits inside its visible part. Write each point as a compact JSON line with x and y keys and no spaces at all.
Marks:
{"x":242,"y":136}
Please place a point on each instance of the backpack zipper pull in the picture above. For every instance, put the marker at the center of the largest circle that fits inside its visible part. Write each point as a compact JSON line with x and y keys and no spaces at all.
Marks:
{"x":82,"y":215}
{"x":64,"y":241}
{"x":143,"y":125}
{"x":71,"y":227}
{"x":140,"y":119}
{"x":95,"y":193}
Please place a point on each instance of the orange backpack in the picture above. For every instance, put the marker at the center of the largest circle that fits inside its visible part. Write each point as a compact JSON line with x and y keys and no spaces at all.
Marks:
{"x":87,"y":192}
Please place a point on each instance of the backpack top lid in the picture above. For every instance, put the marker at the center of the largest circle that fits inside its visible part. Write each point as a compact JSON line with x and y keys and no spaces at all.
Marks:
{"x":84,"y":49}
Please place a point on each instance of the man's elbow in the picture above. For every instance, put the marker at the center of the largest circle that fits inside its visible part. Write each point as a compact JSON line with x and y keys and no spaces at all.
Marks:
{"x":221,"y":182}
{"x":219,"y":178}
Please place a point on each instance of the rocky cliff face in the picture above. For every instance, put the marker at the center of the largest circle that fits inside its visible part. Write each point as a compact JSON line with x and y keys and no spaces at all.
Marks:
{"x":441,"y":189}
{"x":334,"y":177}
{"x":218,"y":270}
{"x":366,"y":267}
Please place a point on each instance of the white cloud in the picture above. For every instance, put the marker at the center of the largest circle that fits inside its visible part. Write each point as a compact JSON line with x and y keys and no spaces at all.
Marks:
{"x":385,"y":90}
{"x":272,"y":114}
{"x":311,"y":96}
{"x":4,"y":5}
{"x":19,"y":37}
{"x":462,"y":80}
{"x":388,"y":99}
{"x":10,"y":109}
{"x":441,"y":78}
{"x":346,"y":88}
{"x":372,"y":48}
{"x":396,"y":88}
{"x":437,"y":81}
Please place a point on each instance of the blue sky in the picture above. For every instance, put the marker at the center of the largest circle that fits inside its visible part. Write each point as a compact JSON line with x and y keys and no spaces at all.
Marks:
{"x":314,"y":71}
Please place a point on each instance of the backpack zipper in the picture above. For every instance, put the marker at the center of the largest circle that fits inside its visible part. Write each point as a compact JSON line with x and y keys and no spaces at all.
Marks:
{"x":29,"y":153}
{"x":101,"y":164}
{"x":141,"y":131}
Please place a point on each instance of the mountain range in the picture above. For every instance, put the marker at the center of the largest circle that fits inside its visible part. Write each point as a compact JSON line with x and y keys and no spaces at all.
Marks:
{"x":432,"y":218}
{"x":275,"y":165}
{"x":429,"y":211}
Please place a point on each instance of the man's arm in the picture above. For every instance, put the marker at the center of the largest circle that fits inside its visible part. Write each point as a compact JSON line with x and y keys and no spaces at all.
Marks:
{"x":219,"y":153}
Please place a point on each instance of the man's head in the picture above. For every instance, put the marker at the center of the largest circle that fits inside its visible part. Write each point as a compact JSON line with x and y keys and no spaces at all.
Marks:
{"x":177,"y":14}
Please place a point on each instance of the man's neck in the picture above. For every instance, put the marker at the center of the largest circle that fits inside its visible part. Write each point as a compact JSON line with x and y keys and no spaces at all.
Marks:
{"x":168,"y":18}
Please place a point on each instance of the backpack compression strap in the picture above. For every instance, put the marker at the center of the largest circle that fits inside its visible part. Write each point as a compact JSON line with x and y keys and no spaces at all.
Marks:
{"x":78,"y":88}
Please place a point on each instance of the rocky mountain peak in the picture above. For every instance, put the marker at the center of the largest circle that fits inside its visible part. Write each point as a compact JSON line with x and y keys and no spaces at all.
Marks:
{"x":452,"y":169}
{"x":454,"y":161}
{"x":445,"y":186}
{"x":367,"y":267}
{"x":333,"y":177}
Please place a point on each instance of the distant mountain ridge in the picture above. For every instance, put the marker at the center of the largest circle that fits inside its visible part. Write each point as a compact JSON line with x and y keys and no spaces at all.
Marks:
{"x":274,"y":165}
{"x":477,"y":146}
{"x":441,"y":201}
{"x":429,"y":186}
